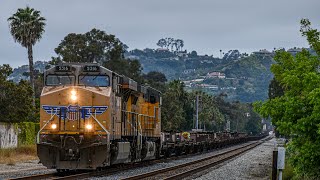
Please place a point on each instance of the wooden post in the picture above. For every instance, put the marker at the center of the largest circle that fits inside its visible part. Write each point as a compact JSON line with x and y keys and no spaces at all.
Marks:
{"x":274,"y":164}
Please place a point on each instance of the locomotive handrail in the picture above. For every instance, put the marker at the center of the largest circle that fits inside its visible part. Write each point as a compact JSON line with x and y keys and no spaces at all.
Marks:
{"x":101,"y":125}
{"x":38,"y":134}
{"x":134,"y":127}
{"x":138,"y":122}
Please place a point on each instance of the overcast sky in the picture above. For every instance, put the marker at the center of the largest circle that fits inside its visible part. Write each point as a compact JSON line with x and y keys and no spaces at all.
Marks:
{"x":205,"y":25}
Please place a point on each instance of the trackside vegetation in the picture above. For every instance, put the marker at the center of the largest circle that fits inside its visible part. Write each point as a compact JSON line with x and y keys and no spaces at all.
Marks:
{"x":294,"y":104}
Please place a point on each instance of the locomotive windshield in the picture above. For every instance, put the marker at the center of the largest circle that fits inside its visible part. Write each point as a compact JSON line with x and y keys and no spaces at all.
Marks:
{"x":94,"y":80}
{"x":56,"y":80}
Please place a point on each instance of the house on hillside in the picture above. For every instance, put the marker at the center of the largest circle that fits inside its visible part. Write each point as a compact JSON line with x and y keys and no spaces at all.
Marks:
{"x":209,"y":86}
{"x":183,"y":54}
{"x":228,"y":88}
{"x":294,"y":51}
{"x":263,"y":52}
{"x":163,"y":50}
{"x":216,"y":75}
{"x":188,"y":71}
{"x":197,"y":80}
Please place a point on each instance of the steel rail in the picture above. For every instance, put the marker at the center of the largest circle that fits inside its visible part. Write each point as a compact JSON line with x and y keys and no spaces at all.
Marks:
{"x":36,"y":176}
{"x":209,"y":165}
{"x":153,"y":174}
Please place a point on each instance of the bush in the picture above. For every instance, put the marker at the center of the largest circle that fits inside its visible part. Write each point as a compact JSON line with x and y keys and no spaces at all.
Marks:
{"x":28,"y":133}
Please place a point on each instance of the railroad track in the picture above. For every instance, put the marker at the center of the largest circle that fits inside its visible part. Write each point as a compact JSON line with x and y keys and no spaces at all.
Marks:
{"x":37,"y":176}
{"x":187,"y":169}
{"x":175,"y":172}
{"x":82,"y":175}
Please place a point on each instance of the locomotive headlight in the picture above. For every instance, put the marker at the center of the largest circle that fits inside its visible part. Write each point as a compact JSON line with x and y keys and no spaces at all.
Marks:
{"x":73,"y":92}
{"x":53,"y":126}
{"x":89,"y":126}
{"x":73,"y":95}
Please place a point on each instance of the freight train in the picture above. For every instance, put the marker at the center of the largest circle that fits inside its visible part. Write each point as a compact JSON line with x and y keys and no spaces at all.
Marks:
{"x":91,"y":117}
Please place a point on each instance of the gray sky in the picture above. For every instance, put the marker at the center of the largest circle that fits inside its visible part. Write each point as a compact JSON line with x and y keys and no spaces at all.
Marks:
{"x":205,"y":25}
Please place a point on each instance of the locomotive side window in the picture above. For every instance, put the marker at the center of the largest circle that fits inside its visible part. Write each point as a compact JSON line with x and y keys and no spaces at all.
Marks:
{"x":94,"y":80}
{"x":56,"y":80}
{"x":153,"y":99}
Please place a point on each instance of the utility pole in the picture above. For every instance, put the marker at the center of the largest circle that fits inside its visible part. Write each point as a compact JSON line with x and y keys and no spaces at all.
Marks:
{"x":197,"y":112}
{"x":228,"y":126}
{"x":237,"y":125}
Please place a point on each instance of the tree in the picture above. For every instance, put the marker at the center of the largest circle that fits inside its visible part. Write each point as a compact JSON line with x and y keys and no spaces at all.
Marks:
{"x":156,"y":80}
{"x":93,"y":46}
{"x":275,"y":89}
{"x":209,"y":115}
{"x":174,"y":44}
{"x":162,"y":43}
{"x":313,"y":35}
{"x":98,"y":46}
{"x":296,"y":112}
{"x":15,"y":99}
{"x":173,"y":114}
{"x":156,"y":77}
{"x":27,"y":27}
{"x":169,"y":42}
{"x":179,"y":44}
{"x":193,"y":54}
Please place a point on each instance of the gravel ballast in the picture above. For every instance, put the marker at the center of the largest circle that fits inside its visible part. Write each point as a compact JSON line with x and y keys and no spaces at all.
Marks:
{"x":136,"y":171}
{"x":254,"y":164}
{"x":23,"y":169}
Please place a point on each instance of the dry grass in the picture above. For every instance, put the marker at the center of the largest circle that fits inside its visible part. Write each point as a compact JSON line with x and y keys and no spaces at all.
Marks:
{"x":20,"y":154}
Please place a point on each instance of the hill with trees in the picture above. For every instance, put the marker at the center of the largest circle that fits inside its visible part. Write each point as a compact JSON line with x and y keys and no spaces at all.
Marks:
{"x":240,"y":76}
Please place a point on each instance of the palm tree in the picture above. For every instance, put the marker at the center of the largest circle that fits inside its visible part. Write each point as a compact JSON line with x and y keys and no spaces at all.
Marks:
{"x":27,"y":27}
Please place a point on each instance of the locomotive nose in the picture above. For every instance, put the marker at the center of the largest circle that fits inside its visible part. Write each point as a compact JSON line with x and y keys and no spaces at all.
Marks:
{"x":76,"y":108}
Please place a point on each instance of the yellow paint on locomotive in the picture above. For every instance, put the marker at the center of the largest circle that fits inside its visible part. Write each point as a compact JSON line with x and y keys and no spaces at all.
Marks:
{"x":86,"y":96}
{"x":147,"y":114}
{"x":151,"y":123}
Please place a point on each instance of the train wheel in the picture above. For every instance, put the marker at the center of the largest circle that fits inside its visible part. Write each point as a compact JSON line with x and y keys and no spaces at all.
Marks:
{"x":168,"y":153}
{"x":178,"y":151}
{"x":62,"y":171}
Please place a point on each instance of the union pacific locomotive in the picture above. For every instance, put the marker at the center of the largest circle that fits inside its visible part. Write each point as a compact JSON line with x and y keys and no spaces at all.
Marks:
{"x":92,"y":117}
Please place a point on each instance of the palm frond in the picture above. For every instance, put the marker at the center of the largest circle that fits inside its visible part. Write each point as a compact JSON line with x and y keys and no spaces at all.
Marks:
{"x":27,"y":26}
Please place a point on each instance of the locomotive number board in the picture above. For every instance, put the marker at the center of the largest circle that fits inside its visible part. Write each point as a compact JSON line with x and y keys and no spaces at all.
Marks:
{"x":63,"y":68}
{"x":91,"y":68}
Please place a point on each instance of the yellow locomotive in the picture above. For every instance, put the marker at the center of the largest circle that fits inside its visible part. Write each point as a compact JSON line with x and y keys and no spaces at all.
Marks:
{"x":92,"y":117}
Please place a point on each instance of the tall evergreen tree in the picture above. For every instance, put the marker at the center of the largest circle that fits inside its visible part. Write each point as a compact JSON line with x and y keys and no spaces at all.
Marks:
{"x":27,"y":28}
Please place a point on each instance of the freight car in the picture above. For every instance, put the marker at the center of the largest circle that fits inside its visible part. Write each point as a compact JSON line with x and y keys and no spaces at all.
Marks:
{"x":91,"y":117}
{"x":177,"y":143}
